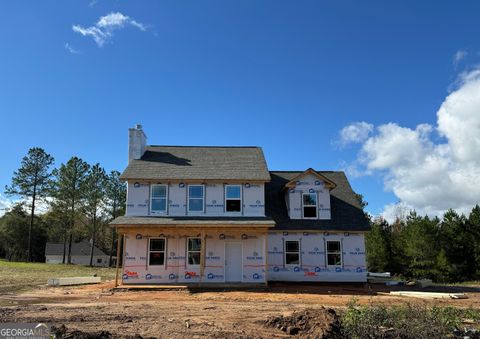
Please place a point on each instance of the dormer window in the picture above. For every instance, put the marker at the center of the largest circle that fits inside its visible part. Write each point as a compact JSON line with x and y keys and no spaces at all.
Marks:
{"x":233,"y":198}
{"x":309,"y":205}
{"x":196,"y":196}
{"x":158,"y":199}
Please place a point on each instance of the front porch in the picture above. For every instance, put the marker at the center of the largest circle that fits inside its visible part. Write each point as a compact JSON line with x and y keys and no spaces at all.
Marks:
{"x":192,"y":255}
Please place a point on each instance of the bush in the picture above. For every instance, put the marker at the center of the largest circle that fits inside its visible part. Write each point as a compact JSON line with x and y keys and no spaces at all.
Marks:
{"x":406,"y":321}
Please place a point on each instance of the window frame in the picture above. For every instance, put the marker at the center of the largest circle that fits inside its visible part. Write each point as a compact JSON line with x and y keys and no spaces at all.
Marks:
{"x":189,"y":251}
{"x":327,"y":252}
{"x":203,"y":198}
{"x":237,"y":199}
{"x":316,"y":206}
{"x":157,"y":251}
{"x":152,"y":211}
{"x":290,"y":252}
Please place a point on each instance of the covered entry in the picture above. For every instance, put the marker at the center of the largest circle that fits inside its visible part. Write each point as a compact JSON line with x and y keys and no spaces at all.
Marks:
{"x":158,"y":251}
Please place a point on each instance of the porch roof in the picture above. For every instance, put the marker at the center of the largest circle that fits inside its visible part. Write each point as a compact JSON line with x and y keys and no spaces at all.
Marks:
{"x":125,"y":221}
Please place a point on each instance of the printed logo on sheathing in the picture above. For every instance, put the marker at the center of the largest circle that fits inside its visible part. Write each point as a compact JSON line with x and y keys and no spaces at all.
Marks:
{"x":338,"y":269}
{"x":320,"y":269}
{"x":25,"y":331}
{"x":172,"y":276}
{"x":317,"y":183}
{"x":357,"y":251}
{"x":214,"y":276}
{"x":152,"y":276}
{"x":296,"y":269}
{"x":256,"y":276}
{"x":361,"y":269}
{"x":130,"y":275}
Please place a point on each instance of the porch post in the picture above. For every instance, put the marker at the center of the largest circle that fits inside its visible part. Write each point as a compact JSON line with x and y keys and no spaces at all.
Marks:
{"x":119,"y":240}
{"x":266,"y":258}
{"x":202,"y":256}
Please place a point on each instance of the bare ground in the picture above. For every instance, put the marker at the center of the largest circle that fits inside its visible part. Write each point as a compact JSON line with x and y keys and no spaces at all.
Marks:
{"x":187,"y":314}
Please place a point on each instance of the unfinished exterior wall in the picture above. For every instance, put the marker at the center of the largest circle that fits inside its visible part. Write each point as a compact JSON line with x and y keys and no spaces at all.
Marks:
{"x":313,"y":264}
{"x":136,"y":269}
{"x":308,"y":184}
{"x":138,"y":200}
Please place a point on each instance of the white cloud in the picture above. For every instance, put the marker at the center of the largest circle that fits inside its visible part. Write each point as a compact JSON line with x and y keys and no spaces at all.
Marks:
{"x":459,"y":56}
{"x":103,"y":30}
{"x":5,"y":204}
{"x":69,"y":48}
{"x":354,"y":133}
{"x":425,"y":174}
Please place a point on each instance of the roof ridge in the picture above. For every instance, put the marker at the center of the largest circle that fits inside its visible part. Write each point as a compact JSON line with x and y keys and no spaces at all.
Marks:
{"x":200,"y":146}
{"x":301,"y":171}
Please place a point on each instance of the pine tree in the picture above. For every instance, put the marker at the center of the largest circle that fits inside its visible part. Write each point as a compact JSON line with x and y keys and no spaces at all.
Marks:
{"x":96,"y":182}
{"x":116,"y":197}
{"x":70,"y":191}
{"x":33,"y":182}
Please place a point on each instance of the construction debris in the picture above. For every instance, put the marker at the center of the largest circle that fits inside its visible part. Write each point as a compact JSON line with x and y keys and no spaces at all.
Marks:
{"x":424,"y":283}
{"x":432,"y":295}
{"x":73,"y":281}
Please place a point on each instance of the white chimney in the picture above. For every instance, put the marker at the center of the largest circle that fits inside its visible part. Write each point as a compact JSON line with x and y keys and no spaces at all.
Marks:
{"x":137,"y":141}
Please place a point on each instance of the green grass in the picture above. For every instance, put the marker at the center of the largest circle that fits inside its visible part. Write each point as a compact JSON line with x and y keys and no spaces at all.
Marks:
{"x":474,"y":283}
{"x":22,"y":276}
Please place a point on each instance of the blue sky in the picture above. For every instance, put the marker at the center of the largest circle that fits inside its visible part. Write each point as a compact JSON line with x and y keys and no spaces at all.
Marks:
{"x":284,"y":75}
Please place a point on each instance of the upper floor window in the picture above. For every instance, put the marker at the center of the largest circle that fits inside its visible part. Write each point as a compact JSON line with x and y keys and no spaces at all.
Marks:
{"x":158,"y":199}
{"x":196,"y":197}
{"x":233,"y":198}
{"x":156,"y":252}
{"x":309,"y":205}
{"x":334,"y":253}
{"x":194,"y":246}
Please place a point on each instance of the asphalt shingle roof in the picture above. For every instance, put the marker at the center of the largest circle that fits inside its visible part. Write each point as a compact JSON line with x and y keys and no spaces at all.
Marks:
{"x":80,"y":248}
{"x":198,"y":163}
{"x":346,"y":213}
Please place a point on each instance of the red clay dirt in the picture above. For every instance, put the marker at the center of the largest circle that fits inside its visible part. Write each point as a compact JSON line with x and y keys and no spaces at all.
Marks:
{"x":188,"y":314}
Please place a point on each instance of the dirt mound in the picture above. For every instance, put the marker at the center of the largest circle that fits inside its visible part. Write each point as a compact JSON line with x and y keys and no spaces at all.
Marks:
{"x":315,"y":323}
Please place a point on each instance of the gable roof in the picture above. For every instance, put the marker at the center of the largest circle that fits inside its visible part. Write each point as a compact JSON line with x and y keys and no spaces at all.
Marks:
{"x":198,"y":163}
{"x":80,"y":248}
{"x":328,"y":183}
{"x":346,"y":212}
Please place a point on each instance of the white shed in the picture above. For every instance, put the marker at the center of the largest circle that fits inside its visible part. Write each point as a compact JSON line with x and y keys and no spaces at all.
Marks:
{"x":80,"y":254}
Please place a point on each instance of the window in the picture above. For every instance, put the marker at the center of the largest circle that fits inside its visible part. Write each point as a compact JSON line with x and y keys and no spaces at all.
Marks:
{"x":156,"y":255}
{"x":233,"y":198}
{"x":292,"y":253}
{"x":99,"y":260}
{"x":194,"y":246}
{"x":195,"y":198}
{"x":159,"y":199}
{"x":309,"y":205}
{"x":334,"y":253}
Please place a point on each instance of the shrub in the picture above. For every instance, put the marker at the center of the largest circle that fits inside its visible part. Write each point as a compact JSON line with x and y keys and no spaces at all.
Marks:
{"x":406,"y":321}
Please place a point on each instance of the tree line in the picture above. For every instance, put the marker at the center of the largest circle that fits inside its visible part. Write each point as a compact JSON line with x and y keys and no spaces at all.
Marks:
{"x":80,"y":200}
{"x":445,"y":249}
